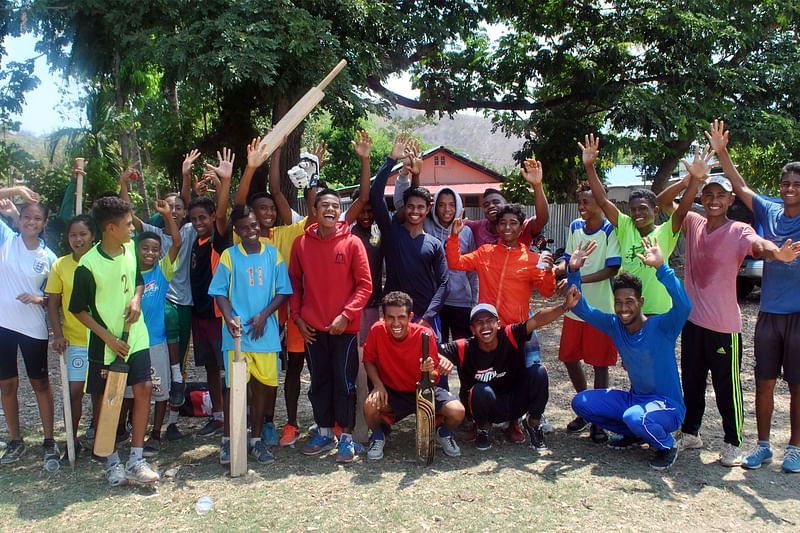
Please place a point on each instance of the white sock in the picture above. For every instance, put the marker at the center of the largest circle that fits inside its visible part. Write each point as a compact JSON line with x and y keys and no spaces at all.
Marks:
{"x":219,"y":415}
{"x":177,"y":377}
{"x":325,"y":432}
{"x":137,"y":454}
{"x":253,"y":441}
{"x":173,"y":417}
{"x":112,"y":459}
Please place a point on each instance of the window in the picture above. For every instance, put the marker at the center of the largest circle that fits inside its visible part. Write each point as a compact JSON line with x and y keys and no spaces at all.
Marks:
{"x":438,"y":160}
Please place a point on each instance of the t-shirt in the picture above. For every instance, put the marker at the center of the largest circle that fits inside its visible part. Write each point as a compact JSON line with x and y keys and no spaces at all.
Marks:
{"x":398,"y":361}
{"x":23,"y":271}
{"x":712,"y":264}
{"x":180,"y":289}
{"x":656,"y":299}
{"x":482,"y":232}
{"x":281,"y":237}
{"x":598,"y":294}
{"x":501,"y":368}
{"x":205,"y":257}
{"x":250,"y":282}
{"x":156,"y":283}
{"x":60,"y":281}
{"x":780,"y":286}
{"x":103,"y":287}
{"x":371,"y":238}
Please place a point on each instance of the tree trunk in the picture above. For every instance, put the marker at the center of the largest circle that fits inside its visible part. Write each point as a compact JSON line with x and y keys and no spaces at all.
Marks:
{"x":676,"y":150}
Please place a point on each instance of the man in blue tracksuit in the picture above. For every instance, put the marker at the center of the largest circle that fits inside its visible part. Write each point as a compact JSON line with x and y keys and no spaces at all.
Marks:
{"x":653,"y":408}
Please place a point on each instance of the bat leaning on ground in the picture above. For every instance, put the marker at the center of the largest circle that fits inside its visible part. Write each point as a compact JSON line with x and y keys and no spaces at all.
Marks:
{"x":426,"y":414}
{"x":238,"y":406}
{"x":105,"y":439}
{"x":66,"y":399}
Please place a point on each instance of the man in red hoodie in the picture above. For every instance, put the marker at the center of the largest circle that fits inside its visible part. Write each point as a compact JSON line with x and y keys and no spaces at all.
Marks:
{"x":331,"y":281}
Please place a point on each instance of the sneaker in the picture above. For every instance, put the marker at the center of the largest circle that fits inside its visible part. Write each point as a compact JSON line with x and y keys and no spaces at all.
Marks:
{"x":375,"y":449}
{"x":791,"y":460}
{"x":313,"y":430}
{"x":514,"y":433}
{"x":115,"y":474}
{"x":89,"y":435}
{"x":597,"y":434}
{"x":483,"y":440}
{"x":471,"y":433}
{"x":761,"y":455}
{"x":664,"y":458}
{"x":731,"y":455}
{"x":319,"y":444}
{"x":547,"y":427}
{"x":151,"y":447}
{"x":211,"y":427}
{"x":14,"y":451}
{"x":260,"y":453}
{"x":448,"y":444}
{"x":290,"y":435}
{"x":141,"y":472}
{"x":269,"y":435}
{"x":177,"y":395}
{"x":225,"y":453}
{"x":346,"y":451}
{"x":536,"y":436}
{"x":577,"y":425}
{"x":624,"y":442}
{"x":687,"y":441}
{"x":173,"y":433}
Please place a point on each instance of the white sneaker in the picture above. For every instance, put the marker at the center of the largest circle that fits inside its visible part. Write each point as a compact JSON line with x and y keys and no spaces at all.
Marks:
{"x":730,"y":455}
{"x":687,"y":441}
{"x":547,"y":427}
{"x":448,"y":444}
{"x":115,"y":474}
{"x":141,"y":472}
{"x":375,"y":449}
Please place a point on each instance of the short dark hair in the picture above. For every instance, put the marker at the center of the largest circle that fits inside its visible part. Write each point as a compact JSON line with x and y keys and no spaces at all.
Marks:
{"x":108,"y":209}
{"x":626,"y":280}
{"x":326,"y":192}
{"x":148,"y":235}
{"x":201,"y":201}
{"x":258,"y":196}
{"x":419,"y":192}
{"x":643,"y":194}
{"x":397,"y":299}
{"x":239,"y":212}
{"x":513,"y":209}
{"x":583,"y":186}
{"x":492,"y":190}
{"x":790,"y":168}
{"x":43,"y":207}
{"x":86,"y":220}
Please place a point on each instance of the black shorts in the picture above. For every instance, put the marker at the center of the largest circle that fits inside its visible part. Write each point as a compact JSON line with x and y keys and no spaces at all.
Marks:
{"x":207,"y":341}
{"x":138,"y":372}
{"x":402,"y":404}
{"x":777,"y":347}
{"x":34,"y":354}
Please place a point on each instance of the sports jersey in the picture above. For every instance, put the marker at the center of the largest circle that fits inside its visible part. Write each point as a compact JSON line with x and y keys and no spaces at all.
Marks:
{"x":156,"y":284}
{"x":398,"y":361}
{"x":205,"y":257}
{"x":23,"y":271}
{"x":780,"y":286}
{"x":250,"y":282}
{"x":103,"y":288}
{"x":180,"y":289}
{"x":607,"y":254}
{"x":60,"y":281}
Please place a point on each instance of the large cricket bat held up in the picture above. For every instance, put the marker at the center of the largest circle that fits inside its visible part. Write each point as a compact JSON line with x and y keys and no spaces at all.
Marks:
{"x":105,"y":439}
{"x":426,"y":413}
{"x":66,"y":399}
{"x":238,"y":407}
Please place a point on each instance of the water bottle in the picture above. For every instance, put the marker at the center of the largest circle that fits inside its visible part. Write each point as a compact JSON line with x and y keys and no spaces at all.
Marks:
{"x":52,"y":464}
{"x":542,"y":264}
{"x":204,"y":505}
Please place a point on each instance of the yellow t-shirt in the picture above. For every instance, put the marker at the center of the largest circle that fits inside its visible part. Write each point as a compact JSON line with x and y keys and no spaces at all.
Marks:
{"x":281,"y":237}
{"x":62,"y":274}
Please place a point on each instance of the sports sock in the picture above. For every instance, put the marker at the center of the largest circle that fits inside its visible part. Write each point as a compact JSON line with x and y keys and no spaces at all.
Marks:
{"x":326,"y":432}
{"x":177,"y":377}
{"x":112,"y":459}
{"x":173,"y":417}
{"x":219,"y":415}
{"x":137,"y":454}
{"x":254,"y":441}
{"x":377,"y":434}
{"x":763,"y":443}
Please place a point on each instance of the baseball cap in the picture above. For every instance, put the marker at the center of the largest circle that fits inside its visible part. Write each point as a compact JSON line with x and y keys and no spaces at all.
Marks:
{"x":722,"y":181}
{"x":483,"y":308}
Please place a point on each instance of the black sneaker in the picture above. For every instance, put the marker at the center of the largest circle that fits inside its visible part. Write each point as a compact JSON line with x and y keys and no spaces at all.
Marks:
{"x":483,"y":441}
{"x":211,"y":427}
{"x":89,"y":435}
{"x":173,"y":433}
{"x":624,"y":442}
{"x":50,"y":455}
{"x":176,"y":394}
{"x":535,"y":434}
{"x":597,"y":434}
{"x":664,"y":458}
{"x":14,"y":451}
{"x":577,"y":425}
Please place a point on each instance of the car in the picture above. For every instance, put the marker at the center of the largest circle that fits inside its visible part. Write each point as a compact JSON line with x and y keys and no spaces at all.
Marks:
{"x":751,"y":269}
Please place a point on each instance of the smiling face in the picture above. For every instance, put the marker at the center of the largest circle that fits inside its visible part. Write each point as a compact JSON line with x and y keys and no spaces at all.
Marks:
{"x":485,"y":327}
{"x":32,"y":220}
{"x":642,"y":213}
{"x":587,"y":206}
{"x":509,"y":228}
{"x":446,"y":208}
{"x":416,"y":209}
{"x":202,"y":221}
{"x":492,"y":203}
{"x":628,"y":306}
{"x":80,"y":238}
{"x":397,"y":318}
{"x":790,"y":189}
{"x":715,"y":200}
{"x":149,"y":252}
{"x":365,"y":217}
{"x":266,"y":212}
{"x":176,"y":207}
{"x":328,"y":208}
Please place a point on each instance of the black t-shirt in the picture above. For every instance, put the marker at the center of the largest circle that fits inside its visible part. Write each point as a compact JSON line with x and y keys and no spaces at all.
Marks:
{"x":372,"y":243}
{"x":501,"y":368}
{"x":204,"y":260}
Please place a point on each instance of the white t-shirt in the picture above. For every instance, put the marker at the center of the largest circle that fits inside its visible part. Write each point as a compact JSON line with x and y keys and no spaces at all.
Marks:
{"x":22,"y":270}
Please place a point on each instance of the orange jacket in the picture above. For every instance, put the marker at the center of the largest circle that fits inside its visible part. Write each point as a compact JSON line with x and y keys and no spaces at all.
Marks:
{"x":506,"y":276}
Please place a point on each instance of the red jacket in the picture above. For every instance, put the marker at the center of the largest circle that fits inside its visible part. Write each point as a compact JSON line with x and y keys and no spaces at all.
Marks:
{"x":329,"y":276}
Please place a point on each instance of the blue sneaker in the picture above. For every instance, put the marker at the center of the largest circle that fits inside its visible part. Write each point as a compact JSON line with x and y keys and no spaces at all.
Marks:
{"x":261,"y":454}
{"x":269,"y":435}
{"x":761,"y":455}
{"x":346,"y":452}
{"x":791,"y":460}
{"x":319,"y":444}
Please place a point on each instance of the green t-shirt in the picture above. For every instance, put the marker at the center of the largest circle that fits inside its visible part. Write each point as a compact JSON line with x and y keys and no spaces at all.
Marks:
{"x":656,"y":299}
{"x":103,"y":287}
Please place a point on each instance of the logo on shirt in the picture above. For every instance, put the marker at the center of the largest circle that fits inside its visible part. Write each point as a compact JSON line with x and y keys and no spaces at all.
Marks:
{"x":634,"y":252}
{"x":39,"y":266}
{"x":339,"y":258}
{"x":485,"y":376}
{"x":151,"y":287}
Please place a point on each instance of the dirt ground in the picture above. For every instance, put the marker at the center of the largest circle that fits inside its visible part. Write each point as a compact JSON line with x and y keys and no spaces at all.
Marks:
{"x":573,"y":485}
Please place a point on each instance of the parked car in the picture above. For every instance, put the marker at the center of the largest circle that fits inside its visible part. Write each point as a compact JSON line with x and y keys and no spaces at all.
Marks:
{"x":751,"y":269}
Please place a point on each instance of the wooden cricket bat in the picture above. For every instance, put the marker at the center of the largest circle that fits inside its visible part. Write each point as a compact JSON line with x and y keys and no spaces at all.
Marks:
{"x":237,"y":379}
{"x":299,"y":111}
{"x":79,"y":195}
{"x":426,"y":411}
{"x":66,"y":399}
{"x":105,"y":439}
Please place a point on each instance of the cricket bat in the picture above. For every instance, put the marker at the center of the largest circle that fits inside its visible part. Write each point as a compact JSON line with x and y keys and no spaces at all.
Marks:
{"x":79,"y":195}
{"x":105,"y":439}
{"x":238,"y":408}
{"x":65,"y":398}
{"x":426,"y":414}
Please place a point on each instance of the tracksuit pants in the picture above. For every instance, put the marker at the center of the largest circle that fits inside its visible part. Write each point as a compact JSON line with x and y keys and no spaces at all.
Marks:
{"x":529,"y":395}
{"x":649,"y":417}
{"x":704,"y":350}
{"x":333,"y":365}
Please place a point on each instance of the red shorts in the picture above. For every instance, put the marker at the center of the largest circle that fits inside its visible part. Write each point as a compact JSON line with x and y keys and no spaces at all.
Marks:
{"x":294,"y":340}
{"x":581,"y":341}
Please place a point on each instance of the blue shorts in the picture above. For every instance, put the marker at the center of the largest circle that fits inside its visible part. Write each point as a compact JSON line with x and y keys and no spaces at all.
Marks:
{"x":77,"y":362}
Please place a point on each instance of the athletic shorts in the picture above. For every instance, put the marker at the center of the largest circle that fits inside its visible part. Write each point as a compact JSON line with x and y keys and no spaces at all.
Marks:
{"x":34,"y":354}
{"x":263,"y":366}
{"x":295,"y":342}
{"x":160,"y":372}
{"x":582,"y":341}
{"x":138,"y":372}
{"x":777,"y":347}
{"x":178,"y":319}
{"x":207,"y":340}
{"x":402,"y":404}
{"x":369,"y":315}
{"x":77,"y":362}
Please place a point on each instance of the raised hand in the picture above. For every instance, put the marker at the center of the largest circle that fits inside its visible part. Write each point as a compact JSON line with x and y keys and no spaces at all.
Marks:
{"x":532,"y":171}
{"x":652,"y":255}
{"x":130,"y":174}
{"x":224,"y":168}
{"x":458,"y":224}
{"x":27,"y":194}
{"x":572,"y":297}
{"x":581,"y":253}
{"x":188,"y":161}
{"x":201,"y":186}
{"x":717,"y":136}
{"x":399,"y":147}
{"x":8,"y":208}
{"x":163,"y":208}
{"x":788,"y":252}
{"x":320,"y":150}
{"x":590,"y":149}
{"x":414,"y":162}
{"x":256,"y":153}
{"x":701,"y":163}
{"x":362,"y":145}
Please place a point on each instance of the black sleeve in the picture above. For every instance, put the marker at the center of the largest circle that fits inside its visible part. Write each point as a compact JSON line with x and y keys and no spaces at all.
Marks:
{"x":83,"y":291}
{"x":222,"y":241}
{"x":520,"y":333}
{"x":449,"y":351}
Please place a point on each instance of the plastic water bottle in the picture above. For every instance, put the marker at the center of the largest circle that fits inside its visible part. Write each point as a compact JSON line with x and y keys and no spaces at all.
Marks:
{"x":542,"y":264}
{"x":52,"y":465}
{"x":204,"y":505}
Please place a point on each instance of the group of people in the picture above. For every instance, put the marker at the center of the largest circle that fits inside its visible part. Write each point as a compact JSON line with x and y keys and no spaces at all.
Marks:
{"x":211,"y":274}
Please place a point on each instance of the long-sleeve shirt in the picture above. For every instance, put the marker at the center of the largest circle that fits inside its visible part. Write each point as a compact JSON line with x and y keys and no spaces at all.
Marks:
{"x":648,"y":354}
{"x":414,"y":265}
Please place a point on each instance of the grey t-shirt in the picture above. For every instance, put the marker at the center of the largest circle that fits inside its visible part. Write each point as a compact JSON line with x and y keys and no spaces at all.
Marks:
{"x":180,"y":292}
